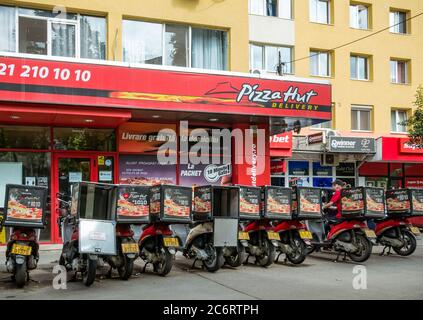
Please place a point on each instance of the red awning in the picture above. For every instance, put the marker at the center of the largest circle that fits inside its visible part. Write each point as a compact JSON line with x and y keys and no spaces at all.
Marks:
{"x":61,"y":115}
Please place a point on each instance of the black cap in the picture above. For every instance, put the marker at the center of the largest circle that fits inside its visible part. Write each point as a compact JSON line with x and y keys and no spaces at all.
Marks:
{"x":338,"y":182}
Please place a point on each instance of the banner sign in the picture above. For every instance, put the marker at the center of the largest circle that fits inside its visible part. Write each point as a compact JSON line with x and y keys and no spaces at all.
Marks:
{"x":118,"y":85}
{"x":407,"y":147}
{"x":352,"y":144}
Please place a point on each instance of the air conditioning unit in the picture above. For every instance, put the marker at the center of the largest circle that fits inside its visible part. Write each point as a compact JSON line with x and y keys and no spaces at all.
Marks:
{"x":329,"y":159}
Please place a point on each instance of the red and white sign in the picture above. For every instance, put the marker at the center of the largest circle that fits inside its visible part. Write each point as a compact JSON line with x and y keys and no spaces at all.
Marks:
{"x":277,"y":167}
{"x":281,"y":141}
{"x":407,"y":147}
{"x":114,"y":85}
{"x":398,"y":150}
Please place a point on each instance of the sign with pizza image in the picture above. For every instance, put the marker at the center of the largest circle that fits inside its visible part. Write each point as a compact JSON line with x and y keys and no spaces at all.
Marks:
{"x":375,"y":202}
{"x":352,"y":202}
{"x":249,"y":201}
{"x":25,"y":206}
{"x":177,"y":202}
{"x":133,"y":204}
{"x":202,"y":201}
{"x":309,"y":202}
{"x":277,"y":203}
{"x":417,"y":202}
{"x":398,"y":201}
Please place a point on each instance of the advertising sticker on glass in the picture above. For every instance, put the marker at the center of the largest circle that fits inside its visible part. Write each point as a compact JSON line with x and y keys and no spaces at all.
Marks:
{"x":25,"y":205}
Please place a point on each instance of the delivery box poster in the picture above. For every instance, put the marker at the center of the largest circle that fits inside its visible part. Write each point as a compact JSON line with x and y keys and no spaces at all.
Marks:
{"x":25,"y":204}
{"x":132,"y":202}
{"x":352,"y":201}
{"x":375,"y":201}
{"x":398,"y":201}
{"x":249,"y":201}
{"x":177,"y":202}
{"x":309,"y":201}
{"x":417,"y":198}
{"x":278,"y":202}
{"x":202,"y":199}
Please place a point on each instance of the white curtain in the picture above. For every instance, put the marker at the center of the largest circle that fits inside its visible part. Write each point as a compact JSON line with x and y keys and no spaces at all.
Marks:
{"x":93,"y":37}
{"x":63,"y":40}
{"x":7,"y":29}
{"x":209,"y":49}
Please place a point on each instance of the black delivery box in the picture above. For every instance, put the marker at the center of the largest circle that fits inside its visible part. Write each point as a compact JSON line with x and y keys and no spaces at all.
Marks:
{"x":276,"y":203}
{"x":374,"y":201}
{"x":133,"y":204}
{"x":216,"y":201}
{"x":398,"y":202}
{"x":352,"y":202}
{"x":25,"y":206}
{"x":95,"y":201}
{"x":170,"y":203}
{"x":249,"y":203}
{"x":416,"y":202}
{"x":306,"y":203}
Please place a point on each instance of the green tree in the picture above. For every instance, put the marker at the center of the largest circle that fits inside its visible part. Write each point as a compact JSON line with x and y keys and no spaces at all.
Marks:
{"x":415,"y":122}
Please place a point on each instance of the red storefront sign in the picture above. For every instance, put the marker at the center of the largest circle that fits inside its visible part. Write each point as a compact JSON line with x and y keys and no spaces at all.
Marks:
{"x":281,"y":145}
{"x":277,"y":167}
{"x":407,"y":147}
{"x":114,"y":85}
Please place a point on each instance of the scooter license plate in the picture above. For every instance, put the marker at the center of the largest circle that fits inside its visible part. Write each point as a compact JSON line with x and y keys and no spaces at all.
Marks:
{"x":304,"y":234}
{"x":370,"y":233}
{"x":243,"y":235}
{"x":130,"y":248}
{"x":21,"y":250}
{"x":415,"y":230}
{"x":273,"y":235}
{"x":171,"y":242}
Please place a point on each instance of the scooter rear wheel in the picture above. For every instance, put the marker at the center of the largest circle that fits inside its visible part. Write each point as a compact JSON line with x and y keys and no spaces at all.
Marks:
{"x":366,"y":249}
{"x":299,"y":250}
{"x":88,"y":275}
{"x":125,"y":271}
{"x":216,"y":259}
{"x":163,"y":267}
{"x":409,"y":246}
{"x":267,"y":258}
{"x":237,"y":258}
{"x":21,"y":275}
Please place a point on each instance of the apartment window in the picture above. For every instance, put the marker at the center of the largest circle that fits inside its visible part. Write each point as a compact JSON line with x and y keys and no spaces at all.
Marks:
{"x":398,"y":117}
{"x":271,"y":8}
{"x":359,"y":16}
{"x":48,"y":33}
{"x":361,"y":118}
{"x":267,"y":58}
{"x":359,"y":68}
{"x":320,"y":11}
{"x":320,"y":63}
{"x":323,"y":125}
{"x":174,"y":45}
{"x":399,"y":71}
{"x":398,"y":21}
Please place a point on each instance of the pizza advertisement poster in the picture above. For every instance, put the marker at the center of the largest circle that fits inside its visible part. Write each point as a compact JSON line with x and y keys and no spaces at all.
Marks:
{"x":294,"y":201}
{"x":202,"y":200}
{"x":155,"y":200}
{"x":25,"y":205}
{"x":309,"y":202}
{"x":398,"y":201}
{"x":133,"y":203}
{"x":278,"y":202}
{"x":375,"y":201}
{"x":177,"y":202}
{"x":417,"y":202}
{"x":352,"y":201}
{"x":249,"y":201}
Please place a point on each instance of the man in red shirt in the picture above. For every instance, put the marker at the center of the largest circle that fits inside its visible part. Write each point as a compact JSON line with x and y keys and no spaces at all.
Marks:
{"x":335,"y":201}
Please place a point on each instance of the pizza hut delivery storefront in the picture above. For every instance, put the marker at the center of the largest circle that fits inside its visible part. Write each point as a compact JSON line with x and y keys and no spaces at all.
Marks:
{"x":64,"y":121}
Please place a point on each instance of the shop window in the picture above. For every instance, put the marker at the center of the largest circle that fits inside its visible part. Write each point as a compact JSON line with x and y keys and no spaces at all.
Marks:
{"x":373,"y":169}
{"x":321,"y":171}
{"x":320,"y":11}
{"x":83,"y":139}
{"x":28,"y":168}
{"x":174,"y":45}
{"x":379,"y":182}
{"x":399,"y":71}
{"x":359,"y":67}
{"x":395,"y":169}
{"x":361,"y":118}
{"x":52,"y":33}
{"x":359,"y":16}
{"x":345,"y":169}
{"x":19,"y":137}
{"x":320,"y":63}
{"x":298,"y":168}
{"x":278,"y":181}
{"x":398,"y":21}
{"x":415,"y":169}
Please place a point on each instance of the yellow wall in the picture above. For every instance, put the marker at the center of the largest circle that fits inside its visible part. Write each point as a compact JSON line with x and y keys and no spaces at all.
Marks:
{"x":231,"y":15}
{"x":378,"y":92}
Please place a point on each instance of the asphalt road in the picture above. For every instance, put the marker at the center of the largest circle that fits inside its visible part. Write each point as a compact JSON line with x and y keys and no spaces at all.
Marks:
{"x":388,"y":277}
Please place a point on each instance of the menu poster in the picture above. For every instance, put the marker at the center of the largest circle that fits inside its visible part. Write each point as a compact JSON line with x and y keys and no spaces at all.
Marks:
{"x":25,"y":204}
{"x":249,"y":201}
{"x":278,"y":201}
{"x":202,"y":200}
{"x":177,"y":202}
{"x":155,"y":200}
{"x":375,"y":201}
{"x":132,"y":202}
{"x":352,"y":201}
{"x":417,"y":198}
{"x":309,"y":201}
{"x":398,"y":201}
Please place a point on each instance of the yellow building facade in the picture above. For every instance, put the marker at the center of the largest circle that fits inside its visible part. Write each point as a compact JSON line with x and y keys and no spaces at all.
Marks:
{"x":377,"y":91}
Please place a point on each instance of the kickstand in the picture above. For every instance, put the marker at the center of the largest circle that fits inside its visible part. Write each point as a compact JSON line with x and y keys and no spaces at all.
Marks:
{"x":32,"y":280}
{"x":337,"y":256}
{"x":389,"y":251}
{"x":145,"y":267}
{"x":109,"y":273}
{"x":246,"y":261}
{"x":383,"y":251}
{"x":193,"y":265}
{"x":345,"y":257}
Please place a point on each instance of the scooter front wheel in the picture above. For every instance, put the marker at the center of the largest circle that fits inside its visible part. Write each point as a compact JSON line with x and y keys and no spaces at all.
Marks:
{"x":410,"y":244}
{"x":215,"y":260}
{"x":365,"y":249}
{"x":299,"y":250}
{"x":237,"y":258}
{"x":269,"y":253}
{"x":163,"y":267}
{"x":21,"y":275}
{"x":88,"y":275}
